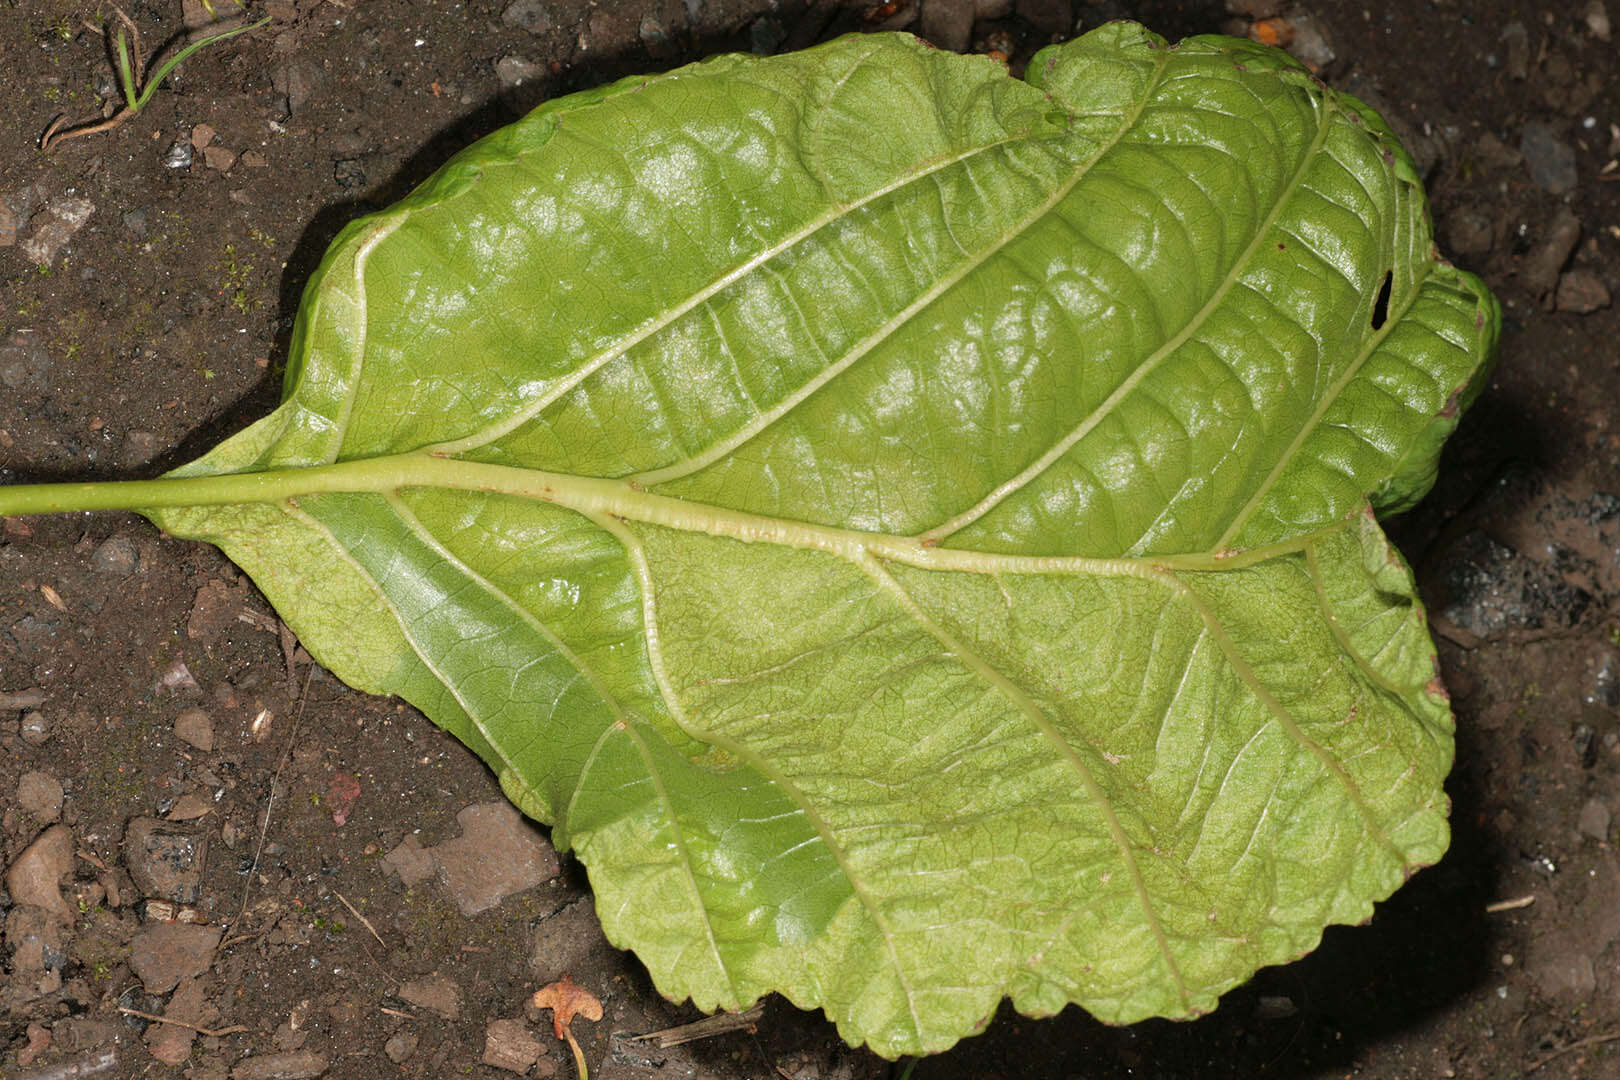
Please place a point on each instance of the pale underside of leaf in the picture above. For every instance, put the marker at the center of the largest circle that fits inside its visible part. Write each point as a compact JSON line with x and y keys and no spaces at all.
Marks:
{"x":911,"y":579}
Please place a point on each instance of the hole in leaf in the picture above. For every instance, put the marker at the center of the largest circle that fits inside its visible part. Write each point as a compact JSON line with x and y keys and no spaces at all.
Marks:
{"x":1381,"y":305}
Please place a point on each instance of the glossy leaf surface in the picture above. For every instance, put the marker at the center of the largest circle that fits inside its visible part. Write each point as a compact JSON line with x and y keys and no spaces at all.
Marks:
{"x":907,"y":529}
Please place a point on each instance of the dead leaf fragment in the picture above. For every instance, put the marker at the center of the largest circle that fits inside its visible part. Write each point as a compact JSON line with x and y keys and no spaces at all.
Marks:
{"x":342,"y":791}
{"x":567,"y":1000}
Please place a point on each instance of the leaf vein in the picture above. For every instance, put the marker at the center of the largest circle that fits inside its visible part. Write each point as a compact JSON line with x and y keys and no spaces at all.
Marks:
{"x":1059,"y":449}
{"x":520,"y":416}
{"x":1021,"y":701}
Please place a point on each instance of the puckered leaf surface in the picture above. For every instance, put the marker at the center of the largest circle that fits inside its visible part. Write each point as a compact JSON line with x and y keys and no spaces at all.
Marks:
{"x":907,"y":529}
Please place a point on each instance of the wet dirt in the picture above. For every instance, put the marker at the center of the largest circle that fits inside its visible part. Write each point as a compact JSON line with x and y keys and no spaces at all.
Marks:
{"x":200,"y":764}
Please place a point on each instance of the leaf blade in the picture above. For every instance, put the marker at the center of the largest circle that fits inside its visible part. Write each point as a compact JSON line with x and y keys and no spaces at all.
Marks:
{"x":668,"y":553}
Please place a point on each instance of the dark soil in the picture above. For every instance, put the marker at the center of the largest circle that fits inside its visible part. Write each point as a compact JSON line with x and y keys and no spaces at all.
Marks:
{"x":162,"y":324}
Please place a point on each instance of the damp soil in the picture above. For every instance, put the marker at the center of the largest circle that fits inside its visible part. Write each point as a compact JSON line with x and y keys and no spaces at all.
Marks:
{"x":148,"y":280}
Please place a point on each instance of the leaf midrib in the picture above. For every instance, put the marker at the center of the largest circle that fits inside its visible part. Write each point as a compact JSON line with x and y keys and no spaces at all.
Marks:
{"x":617,"y":498}
{"x":596,"y":497}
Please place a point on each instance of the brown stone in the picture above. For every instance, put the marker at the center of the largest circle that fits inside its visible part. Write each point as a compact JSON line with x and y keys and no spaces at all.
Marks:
{"x":509,"y":1045}
{"x":498,"y":854}
{"x":40,"y":795}
{"x":411,"y":861}
{"x":436,"y":994}
{"x":400,"y":1046}
{"x":189,"y":807}
{"x":171,"y":1043}
{"x":164,"y":954}
{"x":35,"y":878}
{"x":1582,"y":292}
{"x":54,"y":227}
{"x":219,"y":158}
{"x":164,"y":860}
{"x":196,"y":727}
{"x":34,"y":939}
{"x":296,"y":1065}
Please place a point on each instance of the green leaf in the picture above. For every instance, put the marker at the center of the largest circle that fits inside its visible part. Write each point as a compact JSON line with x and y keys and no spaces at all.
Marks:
{"x":908,"y":530}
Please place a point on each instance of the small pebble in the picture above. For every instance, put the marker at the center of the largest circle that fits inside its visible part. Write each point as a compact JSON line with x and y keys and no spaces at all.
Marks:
{"x":1595,"y":819}
{"x":296,"y":80}
{"x":25,"y":363}
{"x":219,"y":158}
{"x":178,"y":155}
{"x":1582,"y":292}
{"x":297,"y":1065}
{"x":189,"y":807}
{"x":35,"y":730}
{"x":1517,"y":39}
{"x":17,"y":700}
{"x":1275,"y":1007}
{"x":1551,"y":160}
{"x":1597,"y":20}
{"x":40,"y":795}
{"x":1544,"y":261}
{"x":54,"y":226}
{"x":164,"y":860}
{"x":655,"y":36}
{"x":164,"y":953}
{"x":34,"y":878}
{"x":115,"y":556}
{"x":196,"y":727}
{"x":39,"y":1040}
{"x":514,"y":71}
{"x":349,"y":172}
{"x":400,"y":1047}
{"x":498,"y":854}
{"x":436,"y":994}
{"x":139,"y":448}
{"x":1469,"y":231}
{"x":188,"y":1008}
{"x":509,"y":1045}
{"x":178,"y":677}
{"x":530,"y":15}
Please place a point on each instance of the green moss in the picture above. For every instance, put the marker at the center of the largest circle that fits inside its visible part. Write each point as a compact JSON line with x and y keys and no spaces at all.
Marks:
{"x":237,"y":276}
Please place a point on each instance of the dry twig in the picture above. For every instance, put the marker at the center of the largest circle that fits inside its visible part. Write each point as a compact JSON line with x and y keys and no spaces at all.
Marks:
{"x":1578,"y":1044}
{"x":708,"y":1027}
{"x":1511,"y":905}
{"x":212,"y":1033}
{"x":270,"y":801}
{"x":363,"y":920}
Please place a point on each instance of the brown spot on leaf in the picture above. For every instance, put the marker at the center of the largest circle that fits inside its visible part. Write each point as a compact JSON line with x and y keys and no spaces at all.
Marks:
{"x":1452,"y":405}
